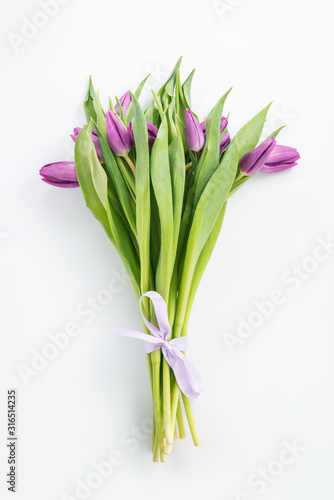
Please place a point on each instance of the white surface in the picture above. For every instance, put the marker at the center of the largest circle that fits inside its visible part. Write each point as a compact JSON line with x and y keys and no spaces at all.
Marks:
{"x":277,"y":385}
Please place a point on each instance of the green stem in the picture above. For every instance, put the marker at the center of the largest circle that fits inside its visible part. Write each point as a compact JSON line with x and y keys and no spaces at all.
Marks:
{"x":240,"y":176}
{"x":174,"y":400}
{"x":189,"y":412}
{"x":156,"y":447}
{"x":153,"y":436}
{"x":156,"y":361}
{"x":166,"y":406}
{"x":180,"y":329}
{"x":180,"y":421}
{"x":176,"y":434}
{"x":149,"y":366}
{"x":130,"y":163}
{"x":191,"y":420}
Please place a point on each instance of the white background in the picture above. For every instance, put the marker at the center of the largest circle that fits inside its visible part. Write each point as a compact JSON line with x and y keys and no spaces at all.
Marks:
{"x":276,"y":385}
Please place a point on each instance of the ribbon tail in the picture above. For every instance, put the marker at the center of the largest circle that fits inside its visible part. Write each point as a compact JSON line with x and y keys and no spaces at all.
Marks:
{"x":189,"y":380}
{"x":197,"y":380}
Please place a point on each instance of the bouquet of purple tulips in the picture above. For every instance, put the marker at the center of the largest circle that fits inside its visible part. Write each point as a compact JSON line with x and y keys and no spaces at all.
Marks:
{"x":158,"y":181}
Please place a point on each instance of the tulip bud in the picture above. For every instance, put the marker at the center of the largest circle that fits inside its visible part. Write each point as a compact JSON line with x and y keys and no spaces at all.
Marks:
{"x":95,"y":140}
{"x":76,"y":132}
{"x":124,"y":102}
{"x":225,"y":142}
{"x":194,"y":134}
{"x":152,"y":133}
{"x":118,"y":136}
{"x":281,"y":158}
{"x":252,"y":162}
{"x":223,"y":124}
{"x":60,"y":174}
{"x":203,"y":126}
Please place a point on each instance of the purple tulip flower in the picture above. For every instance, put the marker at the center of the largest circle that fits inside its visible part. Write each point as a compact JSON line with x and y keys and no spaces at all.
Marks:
{"x":124,"y":102}
{"x":95,"y":140}
{"x":118,"y":136}
{"x":252,"y":162}
{"x":194,"y":134}
{"x":281,"y":158}
{"x":152,"y":134}
{"x":203,"y":126}
{"x":60,"y":174}
{"x":225,"y":142}
{"x":223,"y":124}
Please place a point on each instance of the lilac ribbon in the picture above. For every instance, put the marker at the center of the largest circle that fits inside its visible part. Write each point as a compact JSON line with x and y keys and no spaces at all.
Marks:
{"x":188,"y":379}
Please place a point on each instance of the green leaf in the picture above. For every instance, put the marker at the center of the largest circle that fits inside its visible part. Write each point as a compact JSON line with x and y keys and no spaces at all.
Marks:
{"x":170,"y":115}
{"x":185,"y":224}
{"x":121,"y":112}
{"x":111,"y":106}
{"x":168,"y":87}
{"x":125,"y":247}
{"x":127,"y":175}
{"x":180,"y":102}
{"x":193,"y":160}
{"x":89,"y":102}
{"x":143,"y":202}
{"x":165,"y":92}
{"x":140,"y":87}
{"x":239,"y":183}
{"x":157,"y":101}
{"x":212,"y":199}
{"x":161,"y":182}
{"x":178,"y":174}
{"x":113,"y":196}
{"x":130,"y":110}
{"x":275,"y":134}
{"x":250,"y":134}
{"x":209,"y":160}
{"x":180,"y":107}
{"x":155,"y":233}
{"x":152,"y":114}
{"x":186,"y":87}
{"x":100,"y":115}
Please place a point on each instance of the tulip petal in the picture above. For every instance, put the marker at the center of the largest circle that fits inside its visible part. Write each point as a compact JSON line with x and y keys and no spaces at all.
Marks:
{"x":223,"y":124}
{"x":282,"y":154}
{"x":281,"y":158}
{"x":61,"y":184}
{"x":268,"y":169}
{"x":117,"y":134}
{"x":194,"y":132}
{"x":124,"y":102}
{"x":95,"y":140}
{"x":253,"y":161}
{"x":225,"y":142}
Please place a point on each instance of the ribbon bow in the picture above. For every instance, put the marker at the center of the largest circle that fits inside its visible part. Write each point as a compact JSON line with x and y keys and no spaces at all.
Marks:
{"x":188,"y":379}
